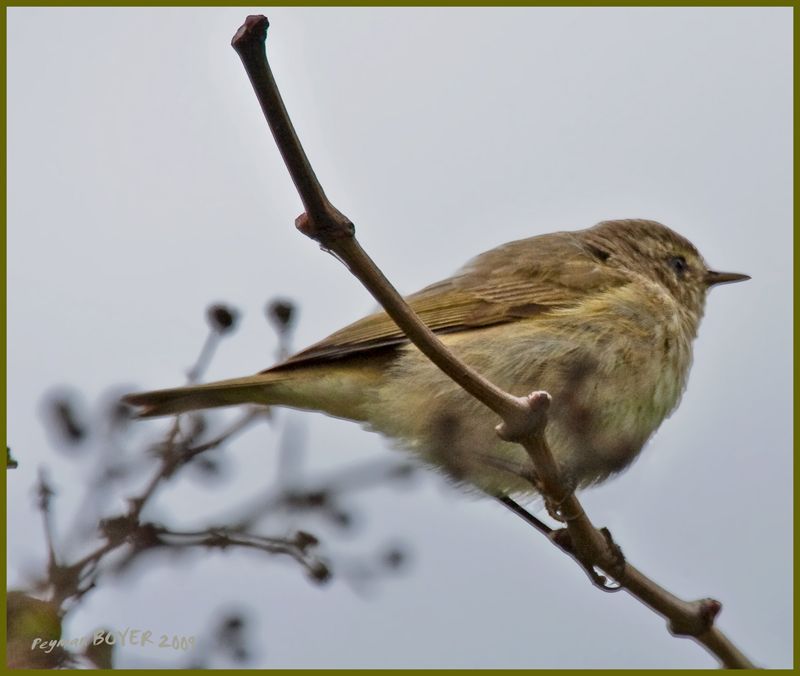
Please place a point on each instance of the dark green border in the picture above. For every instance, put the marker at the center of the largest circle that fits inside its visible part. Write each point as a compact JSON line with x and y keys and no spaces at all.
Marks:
{"x":3,"y":421}
{"x":505,"y":3}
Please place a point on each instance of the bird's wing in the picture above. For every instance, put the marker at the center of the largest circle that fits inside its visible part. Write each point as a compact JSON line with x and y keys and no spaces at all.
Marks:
{"x":517,"y":280}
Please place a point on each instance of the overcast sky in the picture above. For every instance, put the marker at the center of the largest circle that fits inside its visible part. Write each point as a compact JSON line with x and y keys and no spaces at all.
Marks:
{"x":143,"y":185}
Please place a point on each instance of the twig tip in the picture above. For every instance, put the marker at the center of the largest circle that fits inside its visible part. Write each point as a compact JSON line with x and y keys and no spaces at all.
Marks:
{"x":254,"y":26}
{"x":539,"y":401}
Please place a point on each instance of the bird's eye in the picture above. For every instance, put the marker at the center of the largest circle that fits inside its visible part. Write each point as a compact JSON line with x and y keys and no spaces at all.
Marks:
{"x":679,"y":265}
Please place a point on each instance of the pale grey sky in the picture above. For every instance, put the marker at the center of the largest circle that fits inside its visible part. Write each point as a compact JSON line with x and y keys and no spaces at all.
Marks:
{"x":143,"y":185}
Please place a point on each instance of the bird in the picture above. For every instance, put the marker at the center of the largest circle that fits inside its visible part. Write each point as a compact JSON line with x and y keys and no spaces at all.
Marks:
{"x":603,"y":319}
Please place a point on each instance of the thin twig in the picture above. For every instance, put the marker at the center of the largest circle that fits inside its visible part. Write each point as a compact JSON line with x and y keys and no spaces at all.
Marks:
{"x":523,"y":418}
{"x":223,"y":538}
{"x":204,"y":358}
{"x":237,"y":427}
{"x":45,"y":494}
{"x":320,"y":493}
{"x":174,"y":455}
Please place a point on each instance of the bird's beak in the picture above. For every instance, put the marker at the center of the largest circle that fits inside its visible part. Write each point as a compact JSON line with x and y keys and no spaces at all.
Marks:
{"x":713,"y":278}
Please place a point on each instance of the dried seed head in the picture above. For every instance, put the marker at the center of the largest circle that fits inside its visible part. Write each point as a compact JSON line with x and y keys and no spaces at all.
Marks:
{"x":222,"y":318}
{"x":281,"y":314}
{"x":62,"y":410}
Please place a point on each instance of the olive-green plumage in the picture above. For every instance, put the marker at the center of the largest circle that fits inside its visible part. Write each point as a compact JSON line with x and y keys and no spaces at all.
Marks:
{"x":603,"y":319}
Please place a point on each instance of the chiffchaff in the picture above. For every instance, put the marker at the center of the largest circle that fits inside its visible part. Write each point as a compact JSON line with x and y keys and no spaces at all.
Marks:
{"x":603,"y":319}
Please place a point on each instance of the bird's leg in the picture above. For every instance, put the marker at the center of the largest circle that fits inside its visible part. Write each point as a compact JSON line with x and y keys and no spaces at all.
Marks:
{"x":524,"y":514}
{"x":526,"y":471}
{"x":555,"y":505}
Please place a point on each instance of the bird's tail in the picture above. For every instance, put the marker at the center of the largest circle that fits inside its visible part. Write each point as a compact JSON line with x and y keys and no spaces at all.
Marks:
{"x":340,"y":390}
{"x":251,"y":389}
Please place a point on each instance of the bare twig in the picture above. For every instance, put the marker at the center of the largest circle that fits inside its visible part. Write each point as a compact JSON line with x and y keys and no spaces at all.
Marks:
{"x":237,"y":427}
{"x":221,"y":320}
{"x":223,"y":538}
{"x":75,"y":580}
{"x":206,"y":353}
{"x":44,"y":494}
{"x":320,"y":495}
{"x":523,"y":418}
{"x":126,"y":535}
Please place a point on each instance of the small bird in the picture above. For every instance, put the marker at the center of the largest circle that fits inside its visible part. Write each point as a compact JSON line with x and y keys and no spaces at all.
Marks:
{"x":603,"y":319}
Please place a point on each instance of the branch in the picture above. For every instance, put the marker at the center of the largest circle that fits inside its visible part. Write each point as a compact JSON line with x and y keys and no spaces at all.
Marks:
{"x":523,"y":418}
{"x":222,"y":538}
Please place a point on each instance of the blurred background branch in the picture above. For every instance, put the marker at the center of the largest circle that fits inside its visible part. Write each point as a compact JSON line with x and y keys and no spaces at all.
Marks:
{"x":110,"y":544}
